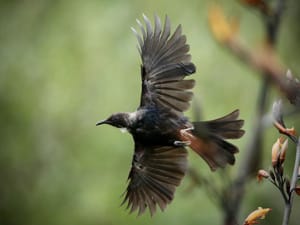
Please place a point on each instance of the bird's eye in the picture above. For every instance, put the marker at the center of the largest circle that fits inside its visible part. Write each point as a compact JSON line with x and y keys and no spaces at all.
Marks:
{"x":138,"y":166}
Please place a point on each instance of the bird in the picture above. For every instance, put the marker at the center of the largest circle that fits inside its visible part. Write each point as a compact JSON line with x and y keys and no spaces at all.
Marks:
{"x":160,"y":131}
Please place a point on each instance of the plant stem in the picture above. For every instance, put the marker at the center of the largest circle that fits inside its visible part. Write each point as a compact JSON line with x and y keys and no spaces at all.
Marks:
{"x":288,"y":205}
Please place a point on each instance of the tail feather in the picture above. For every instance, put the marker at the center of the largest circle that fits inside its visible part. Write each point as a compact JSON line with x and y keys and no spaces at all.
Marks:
{"x":208,"y":139}
{"x":228,"y":127}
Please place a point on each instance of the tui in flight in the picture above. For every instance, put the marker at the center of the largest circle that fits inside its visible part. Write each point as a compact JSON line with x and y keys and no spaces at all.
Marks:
{"x":160,"y":130}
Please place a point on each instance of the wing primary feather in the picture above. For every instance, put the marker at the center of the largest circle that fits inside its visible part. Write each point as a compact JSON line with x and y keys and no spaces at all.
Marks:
{"x":140,"y":40}
{"x":142,"y":29}
{"x":176,"y":35}
{"x":148,"y":27}
{"x":155,"y":45}
{"x":168,"y":50}
{"x":166,"y":30}
{"x":157,"y":28}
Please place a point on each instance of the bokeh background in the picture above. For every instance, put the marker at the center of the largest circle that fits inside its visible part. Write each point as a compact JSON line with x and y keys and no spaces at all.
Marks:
{"x":66,"y":64}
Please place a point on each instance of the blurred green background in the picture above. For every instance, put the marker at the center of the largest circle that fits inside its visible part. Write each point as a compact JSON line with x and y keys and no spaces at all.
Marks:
{"x":66,"y":64}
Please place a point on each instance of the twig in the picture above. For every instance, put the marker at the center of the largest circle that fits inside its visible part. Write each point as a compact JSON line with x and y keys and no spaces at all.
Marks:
{"x":273,"y":22}
{"x":289,"y":203}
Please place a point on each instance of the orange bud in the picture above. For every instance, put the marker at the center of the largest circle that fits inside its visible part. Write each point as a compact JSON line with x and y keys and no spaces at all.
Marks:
{"x":262,"y":174}
{"x":260,"y":213}
{"x":222,"y":28}
{"x":297,"y":190}
{"x":284,"y":147}
{"x":276,"y":151}
{"x":291,"y":131}
{"x":286,"y":131}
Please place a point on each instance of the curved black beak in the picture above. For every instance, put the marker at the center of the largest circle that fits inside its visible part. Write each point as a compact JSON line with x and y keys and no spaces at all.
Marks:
{"x":101,"y":122}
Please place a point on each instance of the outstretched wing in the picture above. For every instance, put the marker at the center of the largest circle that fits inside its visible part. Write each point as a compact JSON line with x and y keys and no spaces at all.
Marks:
{"x":165,"y":63}
{"x":154,"y":175}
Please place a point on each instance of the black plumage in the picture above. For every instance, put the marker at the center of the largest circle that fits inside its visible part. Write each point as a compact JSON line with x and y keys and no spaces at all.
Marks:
{"x":159,"y":128}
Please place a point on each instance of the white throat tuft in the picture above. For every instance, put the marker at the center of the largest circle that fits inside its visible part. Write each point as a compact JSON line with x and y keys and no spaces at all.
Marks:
{"x":123,"y":130}
{"x":132,"y":115}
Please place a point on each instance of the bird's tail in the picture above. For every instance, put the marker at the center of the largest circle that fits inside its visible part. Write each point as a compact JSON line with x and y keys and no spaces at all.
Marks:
{"x":207,"y":139}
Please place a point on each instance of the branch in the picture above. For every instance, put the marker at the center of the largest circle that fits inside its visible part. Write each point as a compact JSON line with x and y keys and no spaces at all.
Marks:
{"x":288,"y":205}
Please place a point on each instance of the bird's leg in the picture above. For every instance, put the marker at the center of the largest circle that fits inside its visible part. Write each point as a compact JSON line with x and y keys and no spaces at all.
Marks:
{"x":182,"y":143}
{"x":184,"y":133}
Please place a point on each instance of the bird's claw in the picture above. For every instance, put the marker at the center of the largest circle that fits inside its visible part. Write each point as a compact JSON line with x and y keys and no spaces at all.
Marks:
{"x":184,"y":133}
{"x":182,"y":143}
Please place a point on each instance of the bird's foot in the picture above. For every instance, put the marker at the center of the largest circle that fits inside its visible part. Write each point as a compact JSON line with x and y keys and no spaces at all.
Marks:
{"x":186,"y":137}
{"x":186,"y":129}
{"x":186,"y":134}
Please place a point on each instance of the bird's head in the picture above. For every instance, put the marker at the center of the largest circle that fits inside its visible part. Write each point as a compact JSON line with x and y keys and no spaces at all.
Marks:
{"x":119,"y":120}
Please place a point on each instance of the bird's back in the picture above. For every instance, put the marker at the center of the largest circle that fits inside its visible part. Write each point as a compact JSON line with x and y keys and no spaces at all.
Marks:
{"x":154,"y":126}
